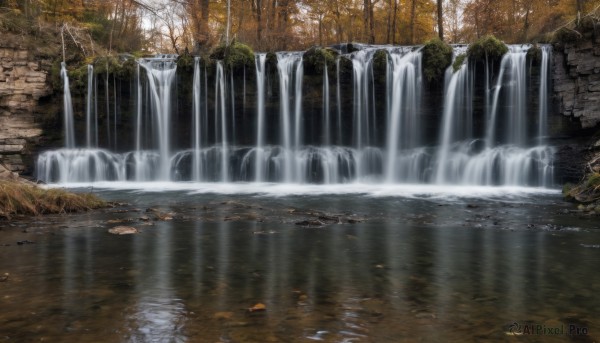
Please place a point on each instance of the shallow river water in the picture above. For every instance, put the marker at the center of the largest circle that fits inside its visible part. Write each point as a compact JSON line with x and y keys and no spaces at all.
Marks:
{"x":331,"y":265}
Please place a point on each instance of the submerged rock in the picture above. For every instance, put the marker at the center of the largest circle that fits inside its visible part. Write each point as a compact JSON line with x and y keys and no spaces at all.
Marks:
{"x":123,"y":230}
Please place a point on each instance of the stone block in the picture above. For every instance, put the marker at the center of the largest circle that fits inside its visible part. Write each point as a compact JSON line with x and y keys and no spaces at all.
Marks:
{"x":11,"y":148}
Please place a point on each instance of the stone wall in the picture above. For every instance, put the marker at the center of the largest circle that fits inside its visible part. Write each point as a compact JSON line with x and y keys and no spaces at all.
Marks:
{"x":24,"y":79}
{"x":576,"y":76}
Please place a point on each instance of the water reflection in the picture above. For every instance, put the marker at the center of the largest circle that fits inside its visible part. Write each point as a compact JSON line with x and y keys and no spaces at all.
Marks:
{"x":415,"y":272}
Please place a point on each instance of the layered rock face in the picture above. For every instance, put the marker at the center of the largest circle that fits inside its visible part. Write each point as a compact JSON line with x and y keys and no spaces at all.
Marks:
{"x":23,"y":81}
{"x":576,"y":76}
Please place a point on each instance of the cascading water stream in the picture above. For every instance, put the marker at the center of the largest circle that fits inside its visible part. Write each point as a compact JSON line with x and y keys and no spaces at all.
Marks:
{"x":160,"y":74}
{"x":290,"y":68}
{"x":458,"y":90}
{"x":546,"y":51}
{"x":260,"y":167}
{"x":197,"y":122}
{"x":67,"y":108}
{"x":403,"y":80}
{"x":88,"y":107}
{"x":221,"y":110}
{"x":326,"y":110}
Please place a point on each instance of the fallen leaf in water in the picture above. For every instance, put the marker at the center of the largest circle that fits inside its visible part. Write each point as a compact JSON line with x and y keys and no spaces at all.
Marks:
{"x":257,"y":308}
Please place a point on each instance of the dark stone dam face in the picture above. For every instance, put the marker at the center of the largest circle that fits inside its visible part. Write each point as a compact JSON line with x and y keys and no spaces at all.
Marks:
{"x":367,"y":116}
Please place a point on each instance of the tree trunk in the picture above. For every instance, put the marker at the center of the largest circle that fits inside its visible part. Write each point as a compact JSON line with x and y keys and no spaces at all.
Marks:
{"x":413,"y":10}
{"x":394,"y":22}
{"x":371,"y":23}
{"x":338,"y":20}
{"x":258,"y":20}
{"x":320,"y":30}
{"x":366,"y":6}
{"x":388,"y":34}
{"x":440,"y":20}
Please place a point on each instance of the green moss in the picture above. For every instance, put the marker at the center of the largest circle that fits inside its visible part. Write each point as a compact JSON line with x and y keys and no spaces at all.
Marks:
{"x":489,"y":46}
{"x":316,"y":58}
{"x":55,"y":75}
{"x":234,"y":56}
{"x":458,"y":62}
{"x":105,"y":64}
{"x":78,"y":79}
{"x":437,"y":56}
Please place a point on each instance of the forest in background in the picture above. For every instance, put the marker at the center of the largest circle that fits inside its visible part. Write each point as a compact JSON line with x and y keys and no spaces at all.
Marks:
{"x":270,"y":25}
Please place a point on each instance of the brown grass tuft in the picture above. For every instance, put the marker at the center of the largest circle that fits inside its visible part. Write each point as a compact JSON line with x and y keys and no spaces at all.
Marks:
{"x":22,"y":198}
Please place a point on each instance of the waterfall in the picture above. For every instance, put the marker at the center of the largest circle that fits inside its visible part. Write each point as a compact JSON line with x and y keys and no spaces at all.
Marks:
{"x":67,"y":108}
{"x":338,"y":98}
{"x":260,"y":162}
{"x":543,"y":93}
{"x":503,"y":160}
{"x":88,"y":106}
{"x":290,"y":68}
{"x":362,"y":62}
{"x":382,"y":132}
{"x":515,"y":128}
{"x":403,"y":80}
{"x":456,"y":111}
{"x":107,"y":97}
{"x":326,"y":110}
{"x":197,"y":122}
{"x":220,"y":108}
{"x":160,"y":73}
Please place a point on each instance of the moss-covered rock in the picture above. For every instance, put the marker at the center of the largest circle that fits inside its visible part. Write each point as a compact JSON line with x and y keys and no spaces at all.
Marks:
{"x":459,"y":61}
{"x":566,"y":36}
{"x":380,"y":60}
{"x":489,"y":46}
{"x":437,"y":56}
{"x":316,"y":58}
{"x":234,"y":56}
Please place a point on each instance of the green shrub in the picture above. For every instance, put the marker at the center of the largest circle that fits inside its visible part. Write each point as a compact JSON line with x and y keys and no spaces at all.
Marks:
{"x":437,"y":56}
{"x":489,"y":46}
{"x":234,"y":56}
{"x":316,"y":58}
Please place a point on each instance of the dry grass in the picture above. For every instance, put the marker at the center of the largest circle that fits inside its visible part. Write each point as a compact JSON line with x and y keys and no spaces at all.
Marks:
{"x":21,"y":198}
